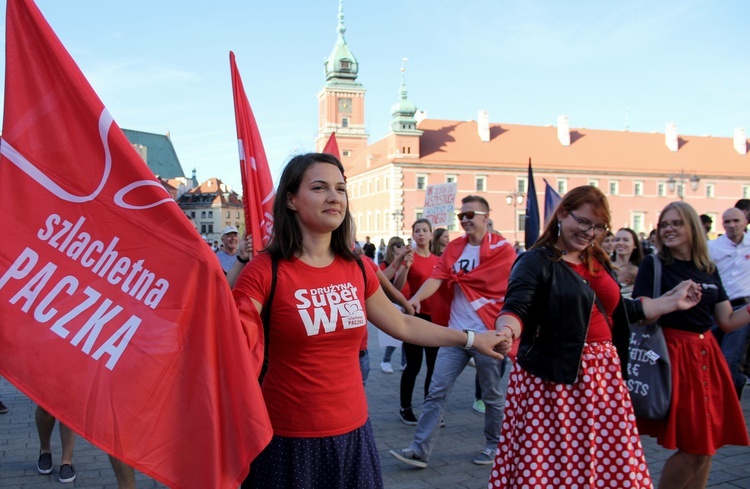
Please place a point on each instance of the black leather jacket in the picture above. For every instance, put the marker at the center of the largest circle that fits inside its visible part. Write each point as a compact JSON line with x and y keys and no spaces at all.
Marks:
{"x":554,"y":303}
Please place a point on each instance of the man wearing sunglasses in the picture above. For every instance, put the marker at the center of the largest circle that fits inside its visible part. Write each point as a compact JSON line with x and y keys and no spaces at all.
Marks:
{"x":476,"y":266}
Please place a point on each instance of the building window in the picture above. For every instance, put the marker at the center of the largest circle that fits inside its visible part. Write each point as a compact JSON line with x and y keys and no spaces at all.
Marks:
{"x":385,"y":186}
{"x":211,"y":228}
{"x":237,"y":215}
{"x":521,"y":184}
{"x":418,"y":214}
{"x":346,"y":152}
{"x":211,"y":214}
{"x":203,"y":214}
{"x":594,"y":183}
{"x":521,"y":220}
{"x":480,"y":184}
{"x":562,"y":186}
{"x":421,"y":182}
{"x":203,"y":228}
{"x":451,"y":179}
{"x":638,"y":188}
{"x":192,"y":214}
{"x":452,"y":226}
{"x":639,"y":218}
{"x":377,"y":220}
{"x":228,"y":214}
{"x":710,"y":190}
{"x":661,"y":189}
{"x":377,"y":185}
{"x":344,"y":122}
{"x":614,"y":187}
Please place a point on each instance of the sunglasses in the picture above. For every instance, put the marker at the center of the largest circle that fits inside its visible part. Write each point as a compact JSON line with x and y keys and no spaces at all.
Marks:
{"x":676,"y":224}
{"x":470,"y":215}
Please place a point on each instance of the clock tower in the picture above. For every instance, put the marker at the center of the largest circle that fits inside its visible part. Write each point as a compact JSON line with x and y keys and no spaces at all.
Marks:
{"x":341,"y":102}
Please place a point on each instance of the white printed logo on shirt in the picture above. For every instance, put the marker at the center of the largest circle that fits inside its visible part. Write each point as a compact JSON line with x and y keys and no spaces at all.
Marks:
{"x":324,"y":306}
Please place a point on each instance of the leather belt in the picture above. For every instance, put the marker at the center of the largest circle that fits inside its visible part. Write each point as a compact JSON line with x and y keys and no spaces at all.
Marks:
{"x":740,"y":301}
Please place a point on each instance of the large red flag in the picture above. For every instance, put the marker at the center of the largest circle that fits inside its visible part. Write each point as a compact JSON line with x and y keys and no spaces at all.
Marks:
{"x":257,"y":185}
{"x":114,"y":315}
{"x":332,"y":147}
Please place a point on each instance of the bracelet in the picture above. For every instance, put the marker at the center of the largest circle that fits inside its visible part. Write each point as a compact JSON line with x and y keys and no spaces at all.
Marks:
{"x":512,"y":332}
{"x":242,"y":260}
{"x":469,"y":339}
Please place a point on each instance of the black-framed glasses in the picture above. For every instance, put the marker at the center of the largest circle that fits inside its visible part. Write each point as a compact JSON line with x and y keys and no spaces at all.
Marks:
{"x":586,"y":226}
{"x":398,"y":245}
{"x":675,"y":224}
{"x":470,"y":215}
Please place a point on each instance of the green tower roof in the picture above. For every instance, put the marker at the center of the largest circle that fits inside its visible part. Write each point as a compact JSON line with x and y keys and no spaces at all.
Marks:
{"x":341,"y":67}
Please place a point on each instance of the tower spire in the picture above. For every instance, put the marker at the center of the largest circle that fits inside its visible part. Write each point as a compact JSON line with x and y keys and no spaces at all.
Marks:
{"x":341,"y":66}
{"x":403,"y":111}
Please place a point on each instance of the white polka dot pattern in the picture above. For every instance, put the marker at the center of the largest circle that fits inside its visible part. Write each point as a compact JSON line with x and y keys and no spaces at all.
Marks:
{"x":571,"y":436}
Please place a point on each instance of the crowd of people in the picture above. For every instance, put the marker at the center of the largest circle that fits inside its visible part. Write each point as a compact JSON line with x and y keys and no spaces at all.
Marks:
{"x":562,"y":309}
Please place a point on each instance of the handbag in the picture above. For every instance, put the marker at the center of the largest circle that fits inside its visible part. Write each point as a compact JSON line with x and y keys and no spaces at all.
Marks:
{"x":649,"y":370}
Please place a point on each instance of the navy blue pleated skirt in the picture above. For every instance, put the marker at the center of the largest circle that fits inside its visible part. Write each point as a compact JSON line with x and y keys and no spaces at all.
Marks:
{"x":348,"y":461}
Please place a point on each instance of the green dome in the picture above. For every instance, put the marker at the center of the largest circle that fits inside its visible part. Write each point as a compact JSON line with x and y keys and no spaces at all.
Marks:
{"x":341,"y":64}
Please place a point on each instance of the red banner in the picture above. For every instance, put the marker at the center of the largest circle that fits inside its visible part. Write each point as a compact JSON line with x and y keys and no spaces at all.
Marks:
{"x":257,"y":185}
{"x":332,"y":147}
{"x":114,"y":315}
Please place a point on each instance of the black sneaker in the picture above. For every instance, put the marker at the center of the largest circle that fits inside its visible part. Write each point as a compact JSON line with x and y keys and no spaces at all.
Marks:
{"x":3,"y":408}
{"x":67,"y":474}
{"x":44,"y":465}
{"x":407,"y":416}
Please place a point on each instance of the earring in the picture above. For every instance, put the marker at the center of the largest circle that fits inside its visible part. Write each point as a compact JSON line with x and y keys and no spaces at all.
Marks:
{"x":559,"y":227}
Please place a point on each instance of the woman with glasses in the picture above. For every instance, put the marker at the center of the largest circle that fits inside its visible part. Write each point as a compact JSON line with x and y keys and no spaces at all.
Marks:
{"x":568,"y":418}
{"x":391,"y":266}
{"x":705,"y":413}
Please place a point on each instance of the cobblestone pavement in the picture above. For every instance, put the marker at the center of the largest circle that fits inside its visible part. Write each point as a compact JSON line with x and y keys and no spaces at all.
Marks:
{"x":450,"y":465}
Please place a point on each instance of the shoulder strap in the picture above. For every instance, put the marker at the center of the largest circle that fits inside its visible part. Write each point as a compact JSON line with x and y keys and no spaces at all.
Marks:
{"x":266,"y":317}
{"x":657,"y":276}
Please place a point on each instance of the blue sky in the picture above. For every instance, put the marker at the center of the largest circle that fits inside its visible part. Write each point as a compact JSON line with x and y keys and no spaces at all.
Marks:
{"x":164,"y":65}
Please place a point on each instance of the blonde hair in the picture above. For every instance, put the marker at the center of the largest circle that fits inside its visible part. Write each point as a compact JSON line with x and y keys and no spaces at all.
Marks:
{"x":696,"y":236}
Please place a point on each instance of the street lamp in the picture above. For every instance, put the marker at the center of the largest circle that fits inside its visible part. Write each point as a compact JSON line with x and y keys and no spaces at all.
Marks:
{"x":679,"y":181}
{"x":515,"y":199}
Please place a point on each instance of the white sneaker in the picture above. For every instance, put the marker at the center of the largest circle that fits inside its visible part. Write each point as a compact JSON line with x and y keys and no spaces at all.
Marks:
{"x":386,"y":367}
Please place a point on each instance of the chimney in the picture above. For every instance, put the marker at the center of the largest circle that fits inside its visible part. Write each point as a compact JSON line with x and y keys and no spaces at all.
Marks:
{"x":563,"y":130}
{"x":483,"y":126}
{"x":670,"y":137}
{"x":740,"y":141}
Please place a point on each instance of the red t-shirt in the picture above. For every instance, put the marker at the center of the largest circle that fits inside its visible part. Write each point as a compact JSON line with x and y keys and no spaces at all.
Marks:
{"x":313,"y":387}
{"x":420,"y":271}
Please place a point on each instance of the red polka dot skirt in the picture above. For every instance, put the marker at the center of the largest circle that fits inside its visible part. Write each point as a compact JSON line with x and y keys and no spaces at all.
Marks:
{"x":571,"y":436}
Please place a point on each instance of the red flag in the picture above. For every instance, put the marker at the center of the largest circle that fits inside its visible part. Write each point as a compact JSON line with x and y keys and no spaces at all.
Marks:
{"x":332,"y":147}
{"x":257,"y":185}
{"x":114,"y":315}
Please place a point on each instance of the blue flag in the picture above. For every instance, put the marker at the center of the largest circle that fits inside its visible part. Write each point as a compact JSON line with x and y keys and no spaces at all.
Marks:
{"x":532,"y":212}
{"x":551,"y":199}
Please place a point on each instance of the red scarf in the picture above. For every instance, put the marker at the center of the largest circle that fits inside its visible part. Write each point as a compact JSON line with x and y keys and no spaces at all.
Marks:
{"x":484,"y":286}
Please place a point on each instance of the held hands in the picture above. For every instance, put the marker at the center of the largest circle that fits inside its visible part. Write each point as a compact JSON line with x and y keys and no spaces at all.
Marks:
{"x":409,"y":309}
{"x":685,"y":295}
{"x":409,"y":259}
{"x":415,"y":305}
{"x":506,"y":340}
{"x":490,"y":344}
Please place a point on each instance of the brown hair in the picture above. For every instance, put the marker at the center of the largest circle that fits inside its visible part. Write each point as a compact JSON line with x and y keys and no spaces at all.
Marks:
{"x":696,"y":236}
{"x":574,"y":199}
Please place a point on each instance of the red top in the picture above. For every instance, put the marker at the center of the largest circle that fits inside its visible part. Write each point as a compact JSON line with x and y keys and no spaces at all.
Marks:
{"x":420,"y":270}
{"x":313,"y":387}
{"x":609,"y":295}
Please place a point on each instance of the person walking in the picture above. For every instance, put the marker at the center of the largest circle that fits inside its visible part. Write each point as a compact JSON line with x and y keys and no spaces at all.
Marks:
{"x":705,"y":413}
{"x":568,"y":420}
{"x":322,"y":299}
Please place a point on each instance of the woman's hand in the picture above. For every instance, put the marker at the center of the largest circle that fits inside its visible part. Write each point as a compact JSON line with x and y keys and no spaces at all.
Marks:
{"x":245,"y":248}
{"x":490,"y":344}
{"x":685,"y":295}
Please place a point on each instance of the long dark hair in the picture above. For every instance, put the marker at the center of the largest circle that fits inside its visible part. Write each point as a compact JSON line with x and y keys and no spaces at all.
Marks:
{"x":636,"y":257}
{"x":574,"y":199}
{"x":286,"y":238}
{"x":435,"y":244}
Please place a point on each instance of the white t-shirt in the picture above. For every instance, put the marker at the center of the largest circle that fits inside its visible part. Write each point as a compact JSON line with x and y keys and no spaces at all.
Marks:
{"x":463,"y":316}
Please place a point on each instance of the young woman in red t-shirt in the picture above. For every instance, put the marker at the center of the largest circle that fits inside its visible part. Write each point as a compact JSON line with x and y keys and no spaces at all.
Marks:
{"x":313,"y":387}
{"x":418,"y":266}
